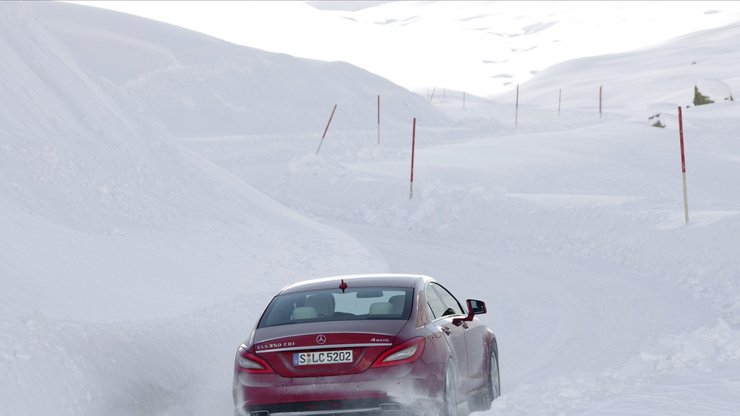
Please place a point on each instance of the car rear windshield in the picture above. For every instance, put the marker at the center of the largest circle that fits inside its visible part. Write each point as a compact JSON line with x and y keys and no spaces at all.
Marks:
{"x":338,"y":305}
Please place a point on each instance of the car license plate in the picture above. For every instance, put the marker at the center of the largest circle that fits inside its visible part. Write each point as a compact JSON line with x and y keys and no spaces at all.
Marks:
{"x":322,"y":357}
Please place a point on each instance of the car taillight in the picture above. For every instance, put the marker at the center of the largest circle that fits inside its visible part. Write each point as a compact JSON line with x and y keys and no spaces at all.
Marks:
{"x":405,"y":353}
{"x":251,"y":363}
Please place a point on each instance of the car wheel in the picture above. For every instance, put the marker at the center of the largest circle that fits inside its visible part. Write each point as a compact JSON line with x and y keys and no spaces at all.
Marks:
{"x":495,"y":376}
{"x":482,"y":401}
{"x":450,"y":393}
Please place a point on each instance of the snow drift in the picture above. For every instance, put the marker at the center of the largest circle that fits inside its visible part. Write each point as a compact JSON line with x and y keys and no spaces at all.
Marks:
{"x":99,"y":209}
{"x":197,"y":85}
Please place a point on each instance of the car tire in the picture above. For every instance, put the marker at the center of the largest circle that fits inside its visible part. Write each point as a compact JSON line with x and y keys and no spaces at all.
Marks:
{"x":494,"y":375}
{"x":449,"y":392}
{"x":483,"y":400}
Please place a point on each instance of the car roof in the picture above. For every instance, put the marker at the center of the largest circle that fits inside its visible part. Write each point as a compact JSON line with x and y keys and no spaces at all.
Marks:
{"x":358,"y":280}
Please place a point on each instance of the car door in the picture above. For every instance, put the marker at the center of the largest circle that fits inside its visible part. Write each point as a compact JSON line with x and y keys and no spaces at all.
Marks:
{"x":476,"y":337}
{"x":443,"y":312}
{"x":475,"y":343}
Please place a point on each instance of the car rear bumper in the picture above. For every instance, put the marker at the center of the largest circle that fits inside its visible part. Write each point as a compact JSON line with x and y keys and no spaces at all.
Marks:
{"x":388,"y":391}
{"x":331,"y":408}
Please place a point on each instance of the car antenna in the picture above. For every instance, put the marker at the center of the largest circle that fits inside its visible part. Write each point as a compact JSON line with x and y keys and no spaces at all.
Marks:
{"x":343,"y":285}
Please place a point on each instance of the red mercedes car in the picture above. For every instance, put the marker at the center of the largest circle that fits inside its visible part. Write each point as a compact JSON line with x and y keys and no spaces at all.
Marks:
{"x":367,"y":345}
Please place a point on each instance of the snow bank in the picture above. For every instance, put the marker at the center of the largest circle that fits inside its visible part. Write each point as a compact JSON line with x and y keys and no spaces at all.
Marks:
{"x":200,"y":86}
{"x":113,"y":233}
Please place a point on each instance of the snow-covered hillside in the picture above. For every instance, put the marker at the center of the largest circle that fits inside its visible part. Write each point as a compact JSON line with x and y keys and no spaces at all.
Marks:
{"x":106,"y":218}
{"x":483,"y":47}
{"x":197,"y":85}
{"x":139,"y":243}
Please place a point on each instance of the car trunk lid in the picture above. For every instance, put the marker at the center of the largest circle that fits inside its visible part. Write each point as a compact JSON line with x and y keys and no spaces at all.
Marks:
{"x":325,"y":348}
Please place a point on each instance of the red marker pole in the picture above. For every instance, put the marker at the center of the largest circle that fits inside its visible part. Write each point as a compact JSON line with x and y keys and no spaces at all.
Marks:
{"x":683,"y":167}
{"x":413,"y":145}
{"x":327,"y":128}
{"x":516,"y":108}
{"x":560,"y":95}
{"x":378,"y":119}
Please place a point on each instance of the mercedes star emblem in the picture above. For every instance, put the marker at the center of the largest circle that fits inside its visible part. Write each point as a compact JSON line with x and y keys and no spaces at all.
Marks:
{"x":321,"y":339}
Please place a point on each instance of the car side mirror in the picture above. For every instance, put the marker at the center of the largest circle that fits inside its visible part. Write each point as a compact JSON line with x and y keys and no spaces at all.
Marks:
{"x":475,"y":307}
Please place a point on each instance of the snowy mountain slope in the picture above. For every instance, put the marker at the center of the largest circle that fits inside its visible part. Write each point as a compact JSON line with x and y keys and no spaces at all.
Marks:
{"x":113,"y":235}
{"x":650,"y":80}
{"x":484,"y":48}
{"x":513,"y":41}
{"x":76,"y":161}
{"x":197,"y":85}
